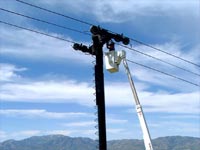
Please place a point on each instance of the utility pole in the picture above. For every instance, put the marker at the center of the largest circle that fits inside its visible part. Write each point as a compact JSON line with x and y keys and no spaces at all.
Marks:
{"x":100,"y":96}
{"x":100,"y":37}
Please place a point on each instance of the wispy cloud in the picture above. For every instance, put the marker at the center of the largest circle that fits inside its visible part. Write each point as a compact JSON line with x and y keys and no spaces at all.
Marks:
{"x":109,"y":120}
{"x":43,"y":48}
{"x":66,"y":91}
{"x":22,"y":134}
{"x":60,"y":132}
{"x":80,"y":124}
{"x":26,"y":133}
{"x":18,"y":135}
{"x":115,"y":131}
{"x":130,"y":9}
{"x":2,"y":135}
{"x":173,"y":127}
{"x":47,"y":91}
{"x":35,"y":113}
{"x":185,"y":103}
{"x":10,"y":72}
{"x":116,"y":121}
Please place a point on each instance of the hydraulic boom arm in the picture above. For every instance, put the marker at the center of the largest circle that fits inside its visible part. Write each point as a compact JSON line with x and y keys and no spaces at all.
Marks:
{"x":146,"y":134}
{"x":113,"y":60}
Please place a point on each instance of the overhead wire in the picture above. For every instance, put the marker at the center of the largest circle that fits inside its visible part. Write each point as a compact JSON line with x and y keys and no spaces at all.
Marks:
{"x":43,"y":21}
{"x":75,"y":30}
{"x":90,"y":24}
{"x":158,"y":59}
{"x":160,"y":50}
{"x":167,"y":74}
{"x":38,"y":32}
{"x":63,"y":39}
{"x":56,"y":13}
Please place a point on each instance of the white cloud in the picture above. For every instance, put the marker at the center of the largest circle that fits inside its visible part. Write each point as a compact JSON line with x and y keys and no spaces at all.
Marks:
{"x":185,"y":103}
{"x":80,"y":124}
{"x":18,"y":135}
{"x":115,"y":131}
{"x":3,"y":135}
{"x":66,"y":91}
{"x":153,"y":101}
{"x":35,"y":113}
{"x":116,"y":121}
{"x":43,"y":48}
{"x":178,"y":117}
{"x":119,"y":11}
{"x":60,"y":132}
{"x":28,"y":133}
{"x":172,"y":127}
{"x":109,"y":120}
{"x":22,"y":134}
{"x":47,"y":91}
{"x":174,"y":48}
{"x":8,"y":72}
{"x":157,"y":78}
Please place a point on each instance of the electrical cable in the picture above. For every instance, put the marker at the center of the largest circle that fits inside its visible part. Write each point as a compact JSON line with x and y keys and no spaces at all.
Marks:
{"x":43,"y":21}
{"x":38,"y":32}
{"x":87,"y":23}
{"x":160,"y":50}
{"x":75,"y":30}
{"x":167,"y":74}
{"x":158,"y":59}
{"x":56,"y":13}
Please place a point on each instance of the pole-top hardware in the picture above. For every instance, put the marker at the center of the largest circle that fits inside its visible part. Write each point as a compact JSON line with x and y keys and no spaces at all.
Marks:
{"x":110,"y":45}
{"x":97,"y":30}
{"x":84,"y":48}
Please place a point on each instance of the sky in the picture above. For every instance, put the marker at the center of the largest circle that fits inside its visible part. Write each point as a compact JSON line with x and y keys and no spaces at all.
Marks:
{"x":46,"y":87}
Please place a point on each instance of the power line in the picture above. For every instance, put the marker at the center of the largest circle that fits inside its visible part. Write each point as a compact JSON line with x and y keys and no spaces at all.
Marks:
{"x":75,"y":30}
{"x":158,"y":59}
{"x":43,"y":21}
{"x":38,"y":32}
{"x":160,"y":50}
{"x":56,"y":13}
{"x":167,"y":74}
{"x":87,"y":23}
{"x":59,"y":38}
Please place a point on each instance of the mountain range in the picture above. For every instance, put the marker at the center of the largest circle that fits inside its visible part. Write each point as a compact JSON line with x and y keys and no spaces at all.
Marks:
{"x":61,"y":142}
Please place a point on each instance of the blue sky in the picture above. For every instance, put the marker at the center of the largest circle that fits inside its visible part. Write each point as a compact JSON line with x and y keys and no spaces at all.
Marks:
{"x":47,"y":87}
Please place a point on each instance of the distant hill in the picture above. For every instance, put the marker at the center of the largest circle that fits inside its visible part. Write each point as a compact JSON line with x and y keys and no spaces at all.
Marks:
{"x":60,"y":142}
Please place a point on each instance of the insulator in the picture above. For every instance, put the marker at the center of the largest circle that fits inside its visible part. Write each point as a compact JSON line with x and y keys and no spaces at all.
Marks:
{"x":97,"y":146}
{"x":95,"y":107}
{"x":96,"y":113}
{"x":96,"y":126}
{"x":93,"y":62}
{"x":95,"y":120}
{"x":96,"y":133}
{"x":95,"y":30}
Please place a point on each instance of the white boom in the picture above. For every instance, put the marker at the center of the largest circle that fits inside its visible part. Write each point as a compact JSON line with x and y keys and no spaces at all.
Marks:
{"x":113,"y":60}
